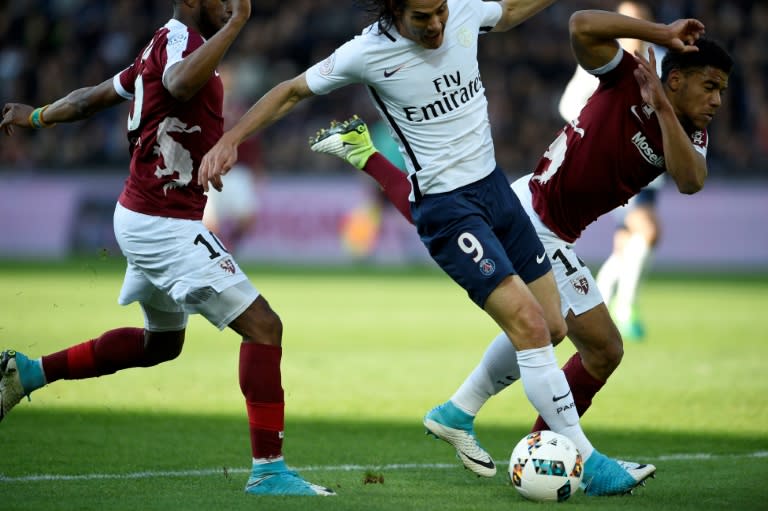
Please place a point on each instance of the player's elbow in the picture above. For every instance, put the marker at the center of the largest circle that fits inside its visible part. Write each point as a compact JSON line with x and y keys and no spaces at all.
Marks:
{"x":181,"y":92}
{"x":689,"y":190}
{"x":690,"y":186}
{"x":297,"y":88}
{"x":689,"y":177}
{"x":579,"y":23}
{"x":182,"y":87}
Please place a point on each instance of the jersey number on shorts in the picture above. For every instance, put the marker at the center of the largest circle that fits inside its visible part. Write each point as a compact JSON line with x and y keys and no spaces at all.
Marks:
{"x":212,"y":252}
{"x":469,"y":244}
{"x":569,"y":268}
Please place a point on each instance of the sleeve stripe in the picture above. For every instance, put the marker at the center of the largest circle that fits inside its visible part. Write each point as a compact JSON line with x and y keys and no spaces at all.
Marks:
{"x":119,"y":87}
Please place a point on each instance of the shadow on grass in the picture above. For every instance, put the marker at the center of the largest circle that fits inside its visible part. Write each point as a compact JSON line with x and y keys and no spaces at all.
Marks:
{"x":170,"y":461}
{"x":159,"y":441}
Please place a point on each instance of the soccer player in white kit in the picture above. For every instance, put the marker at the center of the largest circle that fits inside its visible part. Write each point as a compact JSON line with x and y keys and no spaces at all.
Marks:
{"x":633,"y":129}
{"x":419,"y":64}
{"x":176,"y":267}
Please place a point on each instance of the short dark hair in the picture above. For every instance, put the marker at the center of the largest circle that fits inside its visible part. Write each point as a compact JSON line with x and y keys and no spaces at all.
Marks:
{"x":710,"y":54}
{"x":383,"y":11}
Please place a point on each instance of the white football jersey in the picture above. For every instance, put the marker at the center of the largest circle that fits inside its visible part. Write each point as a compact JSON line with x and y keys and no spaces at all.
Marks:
{"x":433,"y":100}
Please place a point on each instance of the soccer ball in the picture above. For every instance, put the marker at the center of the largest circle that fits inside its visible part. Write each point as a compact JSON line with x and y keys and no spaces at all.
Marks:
{"x":545,"y":466}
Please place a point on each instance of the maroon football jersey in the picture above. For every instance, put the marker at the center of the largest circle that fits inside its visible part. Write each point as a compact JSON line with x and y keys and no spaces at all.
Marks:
{"x":168,"y":138}
{"x":604,"y":157}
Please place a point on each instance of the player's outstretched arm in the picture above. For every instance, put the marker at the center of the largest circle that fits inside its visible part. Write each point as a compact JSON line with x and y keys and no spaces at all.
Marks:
{"x":515,"y":12}
{"x":594,"y":35}
{"x":78,"y":104}
{"x":272,"y":106}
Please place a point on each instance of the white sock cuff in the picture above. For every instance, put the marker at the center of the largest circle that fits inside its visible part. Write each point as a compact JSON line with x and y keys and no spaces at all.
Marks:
{"x":537,"y":357}
{"x":42,"y":369}
{"x":264,"y":461}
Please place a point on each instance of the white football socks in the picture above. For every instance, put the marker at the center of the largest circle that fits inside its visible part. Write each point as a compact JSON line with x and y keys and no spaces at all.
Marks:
{"x":547,"y":389}
{"x":496,"y":371}
{"x":543,"y":381}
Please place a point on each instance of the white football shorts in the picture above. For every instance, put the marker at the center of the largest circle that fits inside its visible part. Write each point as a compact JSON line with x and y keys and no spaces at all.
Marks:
{"x":178,"y":267}
{"x":577,"y":286}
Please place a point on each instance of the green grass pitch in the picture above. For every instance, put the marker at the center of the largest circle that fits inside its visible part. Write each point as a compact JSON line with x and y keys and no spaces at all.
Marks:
{"x":366,"y":354}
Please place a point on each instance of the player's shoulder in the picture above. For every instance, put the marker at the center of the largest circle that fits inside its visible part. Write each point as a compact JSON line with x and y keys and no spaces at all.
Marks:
{"x":174,"y":37}
{"x":179,"y":37}
{"x":617,"y":79}
{"x":377,"y":35}
{"x":375,"y":43}
{"x":621,"y":65}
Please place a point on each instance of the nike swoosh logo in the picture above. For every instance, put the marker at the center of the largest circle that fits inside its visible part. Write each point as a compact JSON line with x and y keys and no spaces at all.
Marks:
{"x":390,"y":72}
{"x":633,"y":109}
{"x":558,"y":398}
{"x":487,"y":464}
{"x":540,"y":259}
{"x":257,"y":481}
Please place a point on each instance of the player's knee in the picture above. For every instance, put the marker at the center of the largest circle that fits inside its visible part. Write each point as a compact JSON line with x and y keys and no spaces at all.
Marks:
{"x":612,"y":358}
{"x":558,"y":329}
{"x":533,"y":327}
{"x":162,"y":346}
{"x":614,"y":353}
{"x":259,"y":324}
{"x":606,"y":360}
{"x":272,"y":328}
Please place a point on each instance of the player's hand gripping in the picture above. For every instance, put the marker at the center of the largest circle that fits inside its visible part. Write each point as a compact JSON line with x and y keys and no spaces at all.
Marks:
{"x":217,"y":162}
{"x":683,"y":34}
{"x":15,"y":114}
{"x":241,"y":11}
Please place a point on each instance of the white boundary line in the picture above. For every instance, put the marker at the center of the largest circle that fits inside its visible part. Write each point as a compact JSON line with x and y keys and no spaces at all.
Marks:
{"x":315,"y":468}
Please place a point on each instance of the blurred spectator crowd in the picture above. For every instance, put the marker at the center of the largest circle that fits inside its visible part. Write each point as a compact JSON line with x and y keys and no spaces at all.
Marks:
{"x":49,"y":47}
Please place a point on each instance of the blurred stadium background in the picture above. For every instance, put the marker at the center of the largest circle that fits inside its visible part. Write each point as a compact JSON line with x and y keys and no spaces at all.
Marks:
{"x":58,"y":186}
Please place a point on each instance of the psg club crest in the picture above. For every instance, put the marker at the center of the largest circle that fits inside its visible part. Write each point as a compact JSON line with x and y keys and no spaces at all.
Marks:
{"x":228,"y":266}
{"x":581,"y":285}
{"x":487,"y":267}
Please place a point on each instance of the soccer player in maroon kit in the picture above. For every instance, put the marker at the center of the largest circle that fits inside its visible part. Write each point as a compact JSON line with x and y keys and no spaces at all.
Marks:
{"x":632,"y":129}
{"x":175,"y":266}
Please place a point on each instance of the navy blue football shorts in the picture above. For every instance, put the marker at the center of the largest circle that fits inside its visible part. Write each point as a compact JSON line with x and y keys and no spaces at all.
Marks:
{"x":479,"y":234}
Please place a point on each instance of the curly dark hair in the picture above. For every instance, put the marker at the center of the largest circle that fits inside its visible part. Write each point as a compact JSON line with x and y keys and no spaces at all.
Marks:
{"x":385,"y":12}
{"x":710,"y":54}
